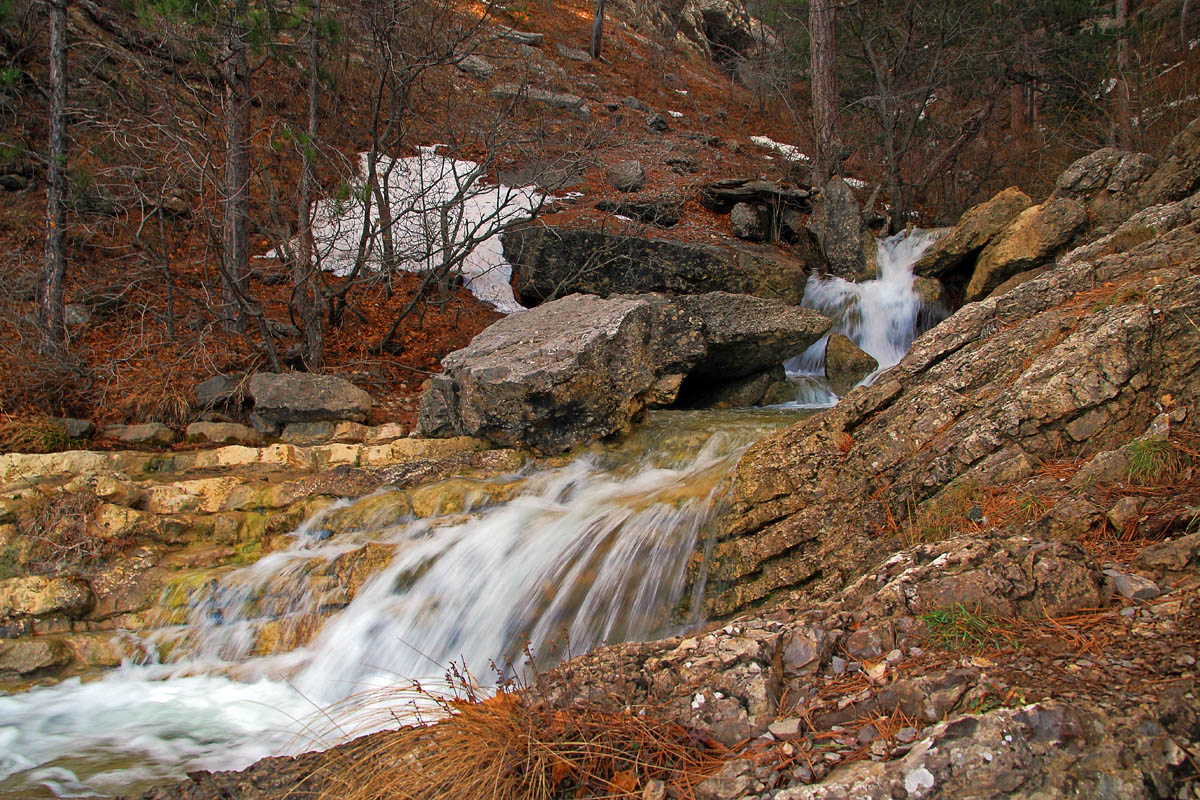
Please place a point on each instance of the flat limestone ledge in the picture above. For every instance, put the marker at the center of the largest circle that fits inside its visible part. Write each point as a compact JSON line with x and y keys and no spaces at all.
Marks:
{"x":18,"y":471}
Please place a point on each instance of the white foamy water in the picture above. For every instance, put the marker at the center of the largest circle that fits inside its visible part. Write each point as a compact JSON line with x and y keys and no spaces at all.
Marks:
{"x":880,"y":316}
{"x":591,"y":553}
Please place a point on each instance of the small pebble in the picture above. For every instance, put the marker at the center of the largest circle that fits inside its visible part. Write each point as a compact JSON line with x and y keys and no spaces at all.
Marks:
{"x":906,"y":735}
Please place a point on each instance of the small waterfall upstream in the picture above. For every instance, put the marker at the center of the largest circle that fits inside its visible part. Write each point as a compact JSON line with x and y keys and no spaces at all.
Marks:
{"x":880,"y":316}
{"x":289,"y":654}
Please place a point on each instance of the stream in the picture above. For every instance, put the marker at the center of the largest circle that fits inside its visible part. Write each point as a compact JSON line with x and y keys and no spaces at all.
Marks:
{"x":321,"y":640}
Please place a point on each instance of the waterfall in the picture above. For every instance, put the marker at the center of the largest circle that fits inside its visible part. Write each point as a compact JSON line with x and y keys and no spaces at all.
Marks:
{"x":366,"y":596}
{"x":880,"y":316}
{"x":269,"y":659}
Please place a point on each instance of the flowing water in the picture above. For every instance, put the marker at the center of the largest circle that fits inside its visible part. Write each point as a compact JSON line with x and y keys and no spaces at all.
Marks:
{"x":880,"y":316}
{"x":554,"y":562}
{"x":291,"y":653}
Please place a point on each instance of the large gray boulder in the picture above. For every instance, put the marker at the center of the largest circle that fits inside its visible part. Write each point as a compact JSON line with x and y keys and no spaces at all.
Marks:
{"x":553,"y":262}
{"x":561,"y":374}
{"x":745,"y":335}
{"x":839,"y":227}
{"x":577,"y":369}
{"x":304,"y":397}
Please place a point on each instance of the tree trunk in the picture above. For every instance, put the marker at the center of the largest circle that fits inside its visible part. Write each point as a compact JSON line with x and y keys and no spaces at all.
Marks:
{"x":1124,"y":121}
{"x":235,"y":245}
{"x":50,"y":288}
{"x":306,"y":291}
{"x":899,"y":214}
{"x":597,"y":30}
{"x":821,"y":18}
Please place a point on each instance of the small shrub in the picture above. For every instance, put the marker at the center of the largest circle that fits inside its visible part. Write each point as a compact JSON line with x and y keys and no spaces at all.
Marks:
{"x":1152,"y":460}
{"x":36,"y":436}
{"x":56,"y":527}
{"x":957,"y":628}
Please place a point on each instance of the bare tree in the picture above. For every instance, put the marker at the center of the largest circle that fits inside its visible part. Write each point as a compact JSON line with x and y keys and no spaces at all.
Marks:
{"x":235,"y":245}
{"x":1123,"y":133}
{"x":823,"y":79}
{"x":307,"y":294}
{"x":50,"y":287}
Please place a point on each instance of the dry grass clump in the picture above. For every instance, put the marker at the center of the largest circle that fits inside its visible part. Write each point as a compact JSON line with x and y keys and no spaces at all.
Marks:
{"x":33,"y":436}
{"x":514,"y":746}
{"x":57,"y":536}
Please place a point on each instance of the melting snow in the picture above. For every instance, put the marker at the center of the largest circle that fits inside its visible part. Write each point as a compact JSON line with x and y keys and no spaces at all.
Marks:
{"x":789,"y":151}
{"x":442,"y":209}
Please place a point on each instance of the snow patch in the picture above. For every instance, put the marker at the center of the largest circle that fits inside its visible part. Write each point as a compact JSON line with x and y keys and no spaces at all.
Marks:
{"x":788,"y":151}
{"x":676,"y":114}
{"x":443,"y":211}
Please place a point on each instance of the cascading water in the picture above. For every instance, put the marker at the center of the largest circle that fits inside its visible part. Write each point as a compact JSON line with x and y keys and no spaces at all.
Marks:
{"x":367,"y":596}
{"x":880,"y":316}
{"x":592,"y":552}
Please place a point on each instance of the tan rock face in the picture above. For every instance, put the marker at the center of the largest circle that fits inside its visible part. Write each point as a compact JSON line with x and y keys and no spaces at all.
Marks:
{"x":973,"y":231}
{"x":38,"y":596}
{"x":20,"y":657}
{"x":1036,"y":236}
{"x":846,"y":364}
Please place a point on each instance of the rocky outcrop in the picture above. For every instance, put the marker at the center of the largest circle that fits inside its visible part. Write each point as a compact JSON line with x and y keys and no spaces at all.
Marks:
{"x":1036,"y":236}
{"x":722,"y":30}
{"x":1107,"y":182}
{"x":555,"y":262}
{"x":1179,"y":173}
{"x":584,"y":367}
{"x":958,"y":247}
{"x":123,"y":540}
{"x":1051,"y":368}
{"x":280,"y":398}
{"x":844,"y":237}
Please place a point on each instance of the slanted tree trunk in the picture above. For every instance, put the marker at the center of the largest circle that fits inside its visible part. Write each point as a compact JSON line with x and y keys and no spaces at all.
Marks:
{"x":52,"y":331}
{"x":597,"y":30}
{"x":821,"y":19}
{"x":307,"y":294}
{"x":235,"y":244}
